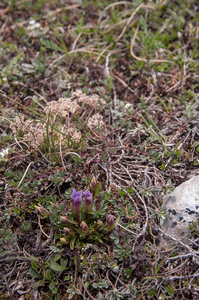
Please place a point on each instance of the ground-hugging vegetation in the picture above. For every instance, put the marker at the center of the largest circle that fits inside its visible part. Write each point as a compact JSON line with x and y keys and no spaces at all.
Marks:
{"x":99,"y":120}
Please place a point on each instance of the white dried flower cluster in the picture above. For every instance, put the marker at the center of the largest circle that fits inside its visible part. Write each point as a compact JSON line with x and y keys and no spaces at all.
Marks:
{"x":18,"y":124}
{"x":96,"y":122}
{"x":51,"y":108}
{"x":72,"y":133}
{"x":68,"y":104}
{"x":94,"y":100}
{"x":62,"y":107}
{"x":77,"y":93}
{"x":34,"y":132}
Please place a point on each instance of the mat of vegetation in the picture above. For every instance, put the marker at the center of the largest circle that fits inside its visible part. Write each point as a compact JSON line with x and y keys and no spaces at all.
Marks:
{"x":99,"y":120}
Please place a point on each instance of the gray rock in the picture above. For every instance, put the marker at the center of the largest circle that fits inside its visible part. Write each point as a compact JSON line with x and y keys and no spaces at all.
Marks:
{"x":183,"y":207}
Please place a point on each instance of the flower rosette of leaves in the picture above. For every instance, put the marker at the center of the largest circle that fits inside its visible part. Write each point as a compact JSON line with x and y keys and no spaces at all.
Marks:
{"x":81,"y":225}
{"x":84,"y":221}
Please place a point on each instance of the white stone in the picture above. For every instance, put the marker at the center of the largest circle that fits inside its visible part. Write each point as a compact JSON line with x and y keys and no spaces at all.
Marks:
{"x":183,"y":207}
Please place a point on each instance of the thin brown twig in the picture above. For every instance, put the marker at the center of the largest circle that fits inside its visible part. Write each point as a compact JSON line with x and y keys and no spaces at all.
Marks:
{"x":87,"y":291}
{"x":39,"y":222}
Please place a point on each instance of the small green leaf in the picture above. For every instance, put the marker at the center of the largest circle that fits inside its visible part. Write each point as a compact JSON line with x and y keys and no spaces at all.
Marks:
{"x":72,"y":243}
{"x":52,"y":285}
{"x":118,"y":247}
{"x":87,"y":283}
{"x":48,"y":275}
{"x":64,"y":262}
{"x":54,"y":291}
{"x":100,"y":296}
{"x":95,"y":285}
{"x":34,"y":273}
{"x":47,"y":296}
{"x":57,"y":256}
{"x":116,"y":221}
{"x":54,"y":249}
{"x":169,"y":289}
{"x":77,"y":262}
{"x":34,"y":265}
{"x":32,"y":258}
{"x":114,"y":235}
{"x":56,"y":267}
{"x":38,"y":283}
{"x":97,"y":190}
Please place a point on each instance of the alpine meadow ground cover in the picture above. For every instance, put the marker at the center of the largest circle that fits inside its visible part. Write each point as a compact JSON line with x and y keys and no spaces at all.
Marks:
{"x":99,"y":120}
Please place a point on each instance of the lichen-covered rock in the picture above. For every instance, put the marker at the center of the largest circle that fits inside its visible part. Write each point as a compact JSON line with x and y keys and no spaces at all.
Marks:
{"x":183,"y":207}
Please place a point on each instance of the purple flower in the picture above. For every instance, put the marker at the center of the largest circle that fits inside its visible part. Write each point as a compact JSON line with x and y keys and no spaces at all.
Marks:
{"x":76,"y":194}
{"x":88,"y":201}
{"x":77,"y":201}
{"x":67,"y":230}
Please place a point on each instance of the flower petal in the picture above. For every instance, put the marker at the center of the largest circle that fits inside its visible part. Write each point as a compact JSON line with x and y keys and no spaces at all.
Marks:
{"x":76,"y":194}
{"x":87,"y":194}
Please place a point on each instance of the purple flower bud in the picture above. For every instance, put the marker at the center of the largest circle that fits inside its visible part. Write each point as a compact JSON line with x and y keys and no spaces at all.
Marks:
{"x":53,"y":205}
{"x":67,"y":230}
{"x":68,"y":221}
{"x":77,"y":201}
{"x":110,"y":223}
{"x":93,"y":185}
{"x":99,"y":225}
{"x":64,"y":240}
{"x":88,"y":201}
{"x":64,"y":219}
{"x":44,"y":213}
{"x":84,"y":227}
